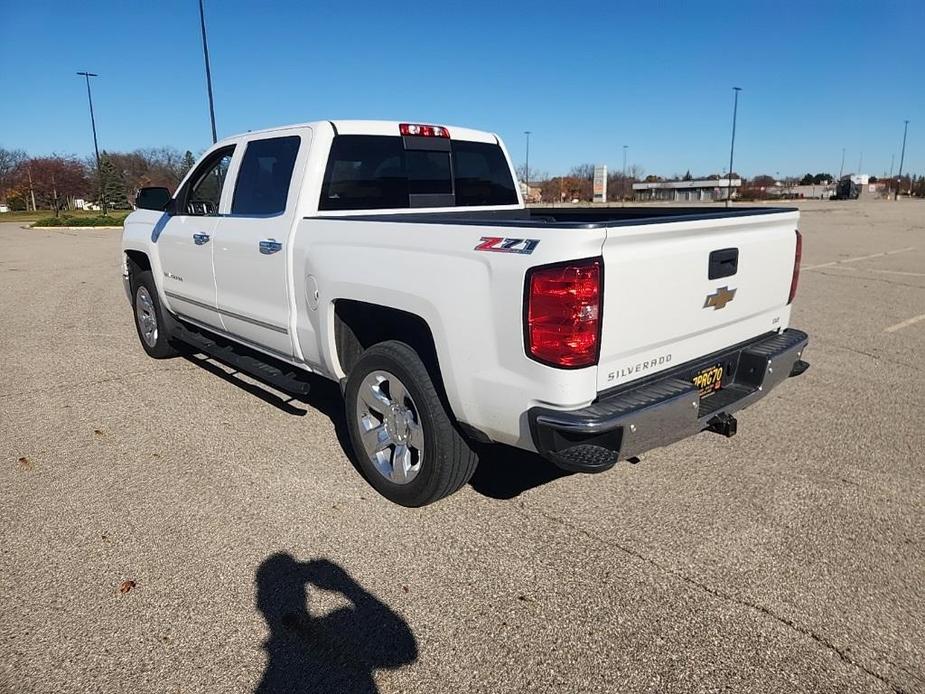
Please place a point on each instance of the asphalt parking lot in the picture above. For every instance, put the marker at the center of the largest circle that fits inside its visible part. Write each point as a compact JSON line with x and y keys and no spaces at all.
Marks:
{"x":790,"y":558}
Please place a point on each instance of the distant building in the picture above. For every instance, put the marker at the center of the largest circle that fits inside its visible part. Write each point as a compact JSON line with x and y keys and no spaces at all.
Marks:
{"x":687,"y":191}
{"x":531,"y":193}
{"x":819,"y":191}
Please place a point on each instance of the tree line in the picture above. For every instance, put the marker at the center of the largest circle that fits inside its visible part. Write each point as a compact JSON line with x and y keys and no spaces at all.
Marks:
{"x":57,"y":182}
{"x":577,"y":185}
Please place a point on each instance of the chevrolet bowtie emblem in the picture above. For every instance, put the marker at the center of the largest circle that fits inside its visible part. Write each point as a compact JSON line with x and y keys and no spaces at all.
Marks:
{"x":719,"y":298}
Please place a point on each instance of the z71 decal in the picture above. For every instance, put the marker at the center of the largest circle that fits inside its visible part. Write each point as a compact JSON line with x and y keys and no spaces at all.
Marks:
{"x":502,"y":245}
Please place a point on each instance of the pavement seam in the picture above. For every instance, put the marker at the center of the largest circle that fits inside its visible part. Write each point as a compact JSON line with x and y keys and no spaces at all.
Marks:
{"x":786,"y":621}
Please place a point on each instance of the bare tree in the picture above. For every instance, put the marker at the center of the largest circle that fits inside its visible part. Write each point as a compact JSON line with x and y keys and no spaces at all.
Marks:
{"x":535,"y":175}
{"x":10,"y":159}
{"x":582,"y":171}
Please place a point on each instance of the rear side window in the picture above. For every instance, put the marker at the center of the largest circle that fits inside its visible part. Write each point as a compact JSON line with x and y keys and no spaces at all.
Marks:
{"x":369,"y":172}
{"x":482,"y":175}
{"x":264,"y":177}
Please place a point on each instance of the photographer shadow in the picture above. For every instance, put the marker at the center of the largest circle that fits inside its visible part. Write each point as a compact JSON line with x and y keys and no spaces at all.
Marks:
{"x":336,"y":652}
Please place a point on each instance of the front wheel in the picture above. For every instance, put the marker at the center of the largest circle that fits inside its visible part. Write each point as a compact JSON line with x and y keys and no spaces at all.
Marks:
{"x":404,"y":439}
{"x":149,"y":318}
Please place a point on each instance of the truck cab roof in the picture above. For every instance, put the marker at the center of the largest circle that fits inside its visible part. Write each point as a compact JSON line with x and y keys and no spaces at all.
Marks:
{"x":369,"y":127}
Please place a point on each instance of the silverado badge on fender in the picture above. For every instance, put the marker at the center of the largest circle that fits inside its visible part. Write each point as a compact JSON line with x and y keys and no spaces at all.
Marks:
{"x":502,"y":245}
{"x":719,"y":298}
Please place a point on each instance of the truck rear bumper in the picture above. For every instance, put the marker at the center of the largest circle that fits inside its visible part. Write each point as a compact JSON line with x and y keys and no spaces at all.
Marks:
{"x":667,"y":407}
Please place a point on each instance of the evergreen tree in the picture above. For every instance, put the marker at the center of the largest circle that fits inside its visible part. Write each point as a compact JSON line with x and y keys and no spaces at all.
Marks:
{"x":112,"y":185}
{"x":188,"y":162}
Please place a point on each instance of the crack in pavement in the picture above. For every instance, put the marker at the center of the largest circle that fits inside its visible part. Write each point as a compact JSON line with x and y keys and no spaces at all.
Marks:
{"x":727,"y":597}
{"x":854,"y":350}
{"x":865,"y":278}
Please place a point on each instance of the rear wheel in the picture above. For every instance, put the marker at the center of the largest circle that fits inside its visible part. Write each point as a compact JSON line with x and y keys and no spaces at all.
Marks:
{"x":149,"y":318}
{"x":404,"y":439}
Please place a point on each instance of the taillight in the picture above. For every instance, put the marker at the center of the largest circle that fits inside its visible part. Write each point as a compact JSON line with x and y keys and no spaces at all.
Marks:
{"x":797,"y":257}
{"x":423,"y":130}
{"x":563,"y":313}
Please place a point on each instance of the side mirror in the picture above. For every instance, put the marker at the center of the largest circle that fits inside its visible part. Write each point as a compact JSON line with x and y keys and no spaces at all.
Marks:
{"x":154,"y":198}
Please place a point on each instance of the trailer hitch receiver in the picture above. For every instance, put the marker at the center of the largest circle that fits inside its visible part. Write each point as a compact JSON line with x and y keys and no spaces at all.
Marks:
{"x":724,"y":424}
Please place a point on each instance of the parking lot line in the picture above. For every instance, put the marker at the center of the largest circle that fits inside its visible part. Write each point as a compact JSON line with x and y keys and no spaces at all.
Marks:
{"x":905,"y":324}
{"x":863,"y":257}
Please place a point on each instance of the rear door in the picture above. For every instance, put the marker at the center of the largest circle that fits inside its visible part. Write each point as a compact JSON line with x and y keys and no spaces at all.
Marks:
{"x":676,"y":291}
{"x":252,"y":251}
{"x":185,"y":241}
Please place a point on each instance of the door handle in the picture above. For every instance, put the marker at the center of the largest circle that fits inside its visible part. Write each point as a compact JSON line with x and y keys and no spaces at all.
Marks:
{"x":200,"y":239}
{"x":269,"y":246}
{"x":723,"y":263}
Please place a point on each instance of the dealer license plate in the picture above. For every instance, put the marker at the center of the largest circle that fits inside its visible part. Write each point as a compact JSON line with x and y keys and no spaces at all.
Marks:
{"x":709,"y":380}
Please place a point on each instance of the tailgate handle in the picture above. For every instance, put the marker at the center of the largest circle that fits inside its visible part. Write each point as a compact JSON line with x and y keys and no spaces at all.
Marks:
{"x":723,"y":263}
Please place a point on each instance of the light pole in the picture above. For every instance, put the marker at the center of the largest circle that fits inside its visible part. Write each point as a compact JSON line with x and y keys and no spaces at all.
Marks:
{"x":623,"y":186}
{"x":527,"y":163}
{"x":96,"y":147}
{"x":732,"y":146}
{"x":205,"y":52}
{"x":899,"y":177}
{"x":890,"y":179}
{"x":841,"y":168}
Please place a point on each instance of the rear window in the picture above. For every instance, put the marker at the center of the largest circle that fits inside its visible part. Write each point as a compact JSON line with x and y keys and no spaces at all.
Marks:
{"x":368,"y":172}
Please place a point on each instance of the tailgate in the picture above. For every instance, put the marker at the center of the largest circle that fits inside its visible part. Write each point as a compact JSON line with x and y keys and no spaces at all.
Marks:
{"x":660,"y":306}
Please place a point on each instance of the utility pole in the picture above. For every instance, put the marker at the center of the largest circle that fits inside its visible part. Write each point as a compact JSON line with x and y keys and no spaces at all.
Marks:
{"x":902,"y":156}
{"x":841,"y":168}
{"x":890,"y":179}
{"x":623,"y":191}
{"x":527,"y":164}
{"x":732,"y":146}
{"x":205,"y":52}
{"x":96,"y":147}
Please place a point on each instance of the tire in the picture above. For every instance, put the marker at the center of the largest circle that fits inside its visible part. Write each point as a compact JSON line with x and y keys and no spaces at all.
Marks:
{"x":422,"y":457}
{"x":150,"y":324}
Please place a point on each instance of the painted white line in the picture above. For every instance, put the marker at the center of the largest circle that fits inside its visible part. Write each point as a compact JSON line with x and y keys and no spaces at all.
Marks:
{"x":904,"y":324}
{"x":863,"y":257}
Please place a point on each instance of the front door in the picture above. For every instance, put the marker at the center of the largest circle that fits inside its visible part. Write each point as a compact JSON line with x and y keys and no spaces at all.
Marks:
{"x":250,"y":248}
{"x":185,"y":242}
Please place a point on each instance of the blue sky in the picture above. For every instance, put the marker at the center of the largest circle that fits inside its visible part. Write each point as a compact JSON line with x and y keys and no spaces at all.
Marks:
{"x":657,"y":76}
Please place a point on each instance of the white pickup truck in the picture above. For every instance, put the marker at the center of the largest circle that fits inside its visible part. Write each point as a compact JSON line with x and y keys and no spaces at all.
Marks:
{"x":399,"y":260}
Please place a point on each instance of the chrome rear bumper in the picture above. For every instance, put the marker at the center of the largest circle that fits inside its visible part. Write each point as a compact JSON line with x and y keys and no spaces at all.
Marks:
{"x":667,"y":407}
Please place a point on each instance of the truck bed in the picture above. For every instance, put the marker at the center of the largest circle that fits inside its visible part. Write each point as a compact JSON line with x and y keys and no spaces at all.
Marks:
{"x":571,"y":217}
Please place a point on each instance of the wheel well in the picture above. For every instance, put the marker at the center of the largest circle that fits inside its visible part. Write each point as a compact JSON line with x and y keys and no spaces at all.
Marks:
{"x":359,"y":325}
{"x":137,"y":262}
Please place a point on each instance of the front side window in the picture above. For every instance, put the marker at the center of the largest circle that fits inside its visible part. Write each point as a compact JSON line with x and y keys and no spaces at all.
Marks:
{"x":263,"y":180}
{"x":207,"y":183}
